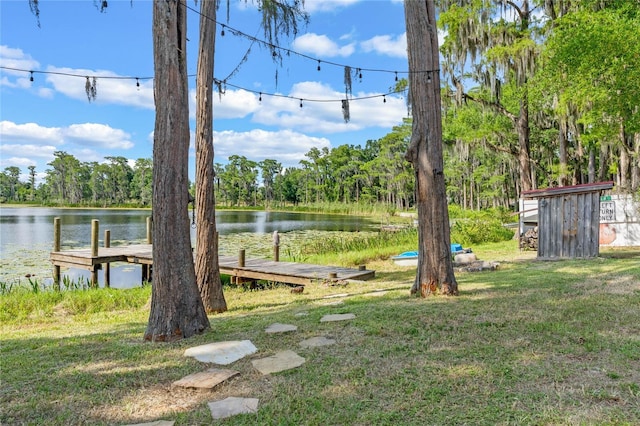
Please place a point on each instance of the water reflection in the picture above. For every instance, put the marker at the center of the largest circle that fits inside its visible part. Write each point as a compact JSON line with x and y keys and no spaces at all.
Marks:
{"x":26,"y":233}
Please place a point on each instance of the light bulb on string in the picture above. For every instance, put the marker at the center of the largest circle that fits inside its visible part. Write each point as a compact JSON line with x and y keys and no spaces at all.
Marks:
{"x":428,"y":76}
{"x":138,"y":83}
{"x":318,"y":64}
{"x":396,"y":75}
{"x":260,"y":97}
{"x":222,"y":32}
{"x":300,"y":103}
{"x":31,"y":77}
{"x":360,"y":74}
{"x":384,"y":99}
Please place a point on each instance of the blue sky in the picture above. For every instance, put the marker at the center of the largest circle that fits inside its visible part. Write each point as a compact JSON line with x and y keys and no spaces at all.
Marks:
{"x":52,"y":113}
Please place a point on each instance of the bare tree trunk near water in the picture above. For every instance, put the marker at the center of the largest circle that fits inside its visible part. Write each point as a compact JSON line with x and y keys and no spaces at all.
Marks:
{"x":207,"y":264}
{"x":176,"y":308}
{"x":435,"y":266}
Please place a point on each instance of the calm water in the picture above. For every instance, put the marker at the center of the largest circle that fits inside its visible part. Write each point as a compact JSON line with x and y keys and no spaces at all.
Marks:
{"x":26,"y":233}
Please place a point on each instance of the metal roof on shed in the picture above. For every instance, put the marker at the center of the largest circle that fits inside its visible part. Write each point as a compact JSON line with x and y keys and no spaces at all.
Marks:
{"x":563,"y":190}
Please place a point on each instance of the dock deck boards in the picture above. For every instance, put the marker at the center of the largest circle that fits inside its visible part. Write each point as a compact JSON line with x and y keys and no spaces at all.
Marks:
{"x":253,"y":269}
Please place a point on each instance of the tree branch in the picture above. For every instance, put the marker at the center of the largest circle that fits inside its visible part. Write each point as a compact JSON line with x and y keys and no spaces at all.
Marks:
{"x":493,"y":105}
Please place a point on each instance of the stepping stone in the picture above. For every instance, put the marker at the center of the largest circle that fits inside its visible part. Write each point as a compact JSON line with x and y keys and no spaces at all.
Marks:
{"x":281,"y":361}
{"x":233,"y":405}
{"x":156,"y":423}
{"x":376,"y":293}
{"x":302,"y":314}
{"x":280,"y":328}
{"x":334,"y":303}
{"x":337,"y":317}
{"x":206,"y":379}
{"x":222,"y":352}
{"x":317,"y":341}
{"x":334,"y":296}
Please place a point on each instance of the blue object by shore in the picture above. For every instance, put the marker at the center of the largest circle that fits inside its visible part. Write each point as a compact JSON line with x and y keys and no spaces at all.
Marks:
{"x":413,"y":255}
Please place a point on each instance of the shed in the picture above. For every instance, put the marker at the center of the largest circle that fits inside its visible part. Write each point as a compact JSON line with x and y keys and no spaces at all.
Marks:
{"x":569,"y":220}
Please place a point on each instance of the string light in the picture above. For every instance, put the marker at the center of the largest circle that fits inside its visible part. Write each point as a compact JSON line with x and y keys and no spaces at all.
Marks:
{"x":384,"y":99}
{"x":222,"y":32}
{"x":218,"y":82}
{"x":31,"y":77}
{"x":138,"y":83}
{"x":318,"y":64}
{"x":275,"y":48}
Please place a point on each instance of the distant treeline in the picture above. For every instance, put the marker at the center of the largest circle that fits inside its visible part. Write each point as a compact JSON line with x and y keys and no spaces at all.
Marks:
{"x":376,"y":173}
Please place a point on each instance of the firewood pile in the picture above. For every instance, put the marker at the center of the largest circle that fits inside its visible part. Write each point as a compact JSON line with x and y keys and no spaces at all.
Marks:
{"x":529,"y":240}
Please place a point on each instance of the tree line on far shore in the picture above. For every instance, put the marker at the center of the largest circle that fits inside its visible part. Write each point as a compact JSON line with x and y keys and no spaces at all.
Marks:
{"x":477,"y":177}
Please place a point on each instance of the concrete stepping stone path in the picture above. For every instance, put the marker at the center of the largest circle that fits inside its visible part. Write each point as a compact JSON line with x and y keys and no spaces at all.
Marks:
{"x":280,"y":328}
{"x":232,"y":406}
{"x":316,"y":342}
{"x":206,"y":379}
{"x":337,"y":317}
{"x":281,"y":361}
{"x":222,"y":353}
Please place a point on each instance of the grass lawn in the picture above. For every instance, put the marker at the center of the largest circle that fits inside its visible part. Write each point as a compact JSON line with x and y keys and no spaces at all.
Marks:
{"x":533,"y":343}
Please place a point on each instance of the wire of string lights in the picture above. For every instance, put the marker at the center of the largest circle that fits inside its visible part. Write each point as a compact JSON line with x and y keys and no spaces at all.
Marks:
{"x":222,"y":84}
{"x":218,"y":82}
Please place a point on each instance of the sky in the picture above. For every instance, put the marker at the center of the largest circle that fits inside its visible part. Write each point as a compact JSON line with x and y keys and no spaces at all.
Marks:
{"x":257,"y":116}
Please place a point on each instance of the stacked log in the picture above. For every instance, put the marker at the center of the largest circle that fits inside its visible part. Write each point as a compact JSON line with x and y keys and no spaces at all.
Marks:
{"x":529,"y":240}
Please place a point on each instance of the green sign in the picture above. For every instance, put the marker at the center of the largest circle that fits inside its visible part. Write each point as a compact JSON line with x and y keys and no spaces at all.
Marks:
{"x":605,"y":198}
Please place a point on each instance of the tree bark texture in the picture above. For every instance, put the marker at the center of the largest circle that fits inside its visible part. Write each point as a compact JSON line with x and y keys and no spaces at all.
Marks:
{"x":207,"y":264}
{"x":176,"y":309}
{"x":435,"y":266}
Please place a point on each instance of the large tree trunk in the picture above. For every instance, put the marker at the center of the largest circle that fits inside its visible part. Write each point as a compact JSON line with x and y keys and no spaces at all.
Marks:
{"x":435,"y":266}
{"x":635,"y":164}
{"x":563,"y":151}
{"x":207,"y":265}
{"x":176,"y":308}
{"x":524,"y":156}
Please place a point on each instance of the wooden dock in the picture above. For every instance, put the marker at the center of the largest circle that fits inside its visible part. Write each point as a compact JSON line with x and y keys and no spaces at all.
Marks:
{"x":251,"y":269}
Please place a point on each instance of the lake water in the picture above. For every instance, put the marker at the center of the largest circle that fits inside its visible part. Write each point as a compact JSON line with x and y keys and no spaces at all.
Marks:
{"x":26,"y":234}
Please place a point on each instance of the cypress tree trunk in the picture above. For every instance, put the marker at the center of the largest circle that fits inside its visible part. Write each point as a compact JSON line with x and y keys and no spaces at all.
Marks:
{"x":176,"y":308}
{"x":207,"y":264}
{"x":435,"y":266}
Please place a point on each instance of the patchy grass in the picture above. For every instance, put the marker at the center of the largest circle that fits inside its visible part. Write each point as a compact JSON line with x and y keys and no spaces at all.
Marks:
{"x":544,"y":343}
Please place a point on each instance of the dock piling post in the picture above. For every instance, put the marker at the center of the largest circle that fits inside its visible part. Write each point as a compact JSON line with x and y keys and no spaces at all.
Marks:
{"x":95,"y":226}
{"x":56,"y":247}
{"x":241,"y":258}
{"x":146,"y":269}
{"x":107,"y":266}
{"x":276,"y":246}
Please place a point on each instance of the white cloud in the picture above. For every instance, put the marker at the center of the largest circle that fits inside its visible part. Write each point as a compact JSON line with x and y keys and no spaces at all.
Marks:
{"x":286,"y":146}
{"x":315,"y":6}
{"x":321,"y":45}
{"x":324,"y":113}
{"x":16,"y":58}
{"x":29,"y":133}
{"x":99,"y":135}
{"x":387,"y":45}
{"x":30,"y":143}
{"x":231,"y":104}
{"x":25,"y":154}
{"x":111,"y":88}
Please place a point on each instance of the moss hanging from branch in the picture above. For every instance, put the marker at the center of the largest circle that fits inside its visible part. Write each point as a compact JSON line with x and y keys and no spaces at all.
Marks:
{"x":345,"y":110}
{"x":347,"y":92}
{"x":91,"y":88}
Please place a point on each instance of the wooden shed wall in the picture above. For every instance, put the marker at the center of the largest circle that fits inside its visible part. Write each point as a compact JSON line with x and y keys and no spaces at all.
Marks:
{"x":569,"y":226}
